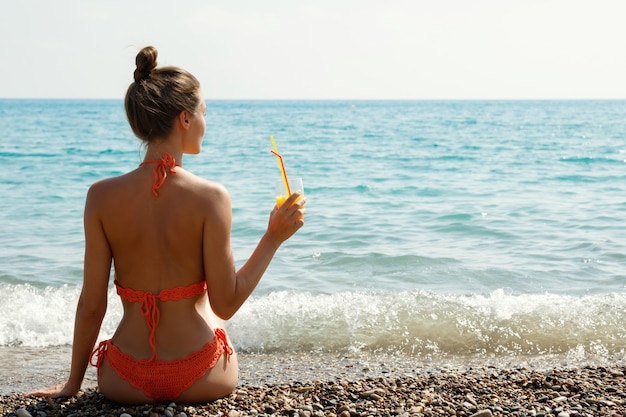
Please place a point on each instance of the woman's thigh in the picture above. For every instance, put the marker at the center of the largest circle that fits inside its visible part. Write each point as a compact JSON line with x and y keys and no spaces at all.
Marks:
{"x":217,"y":382}
{"x":115,"y":388}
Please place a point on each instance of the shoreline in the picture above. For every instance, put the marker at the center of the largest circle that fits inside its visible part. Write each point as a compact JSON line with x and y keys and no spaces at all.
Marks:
{"x":24,"y":369}
{"x":305,"y":385}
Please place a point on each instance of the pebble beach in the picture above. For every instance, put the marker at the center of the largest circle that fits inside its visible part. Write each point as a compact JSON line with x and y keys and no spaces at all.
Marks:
{"x":353,"y":388}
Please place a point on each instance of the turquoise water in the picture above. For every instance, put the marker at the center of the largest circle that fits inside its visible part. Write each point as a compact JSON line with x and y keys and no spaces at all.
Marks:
{"x":434,"y":228}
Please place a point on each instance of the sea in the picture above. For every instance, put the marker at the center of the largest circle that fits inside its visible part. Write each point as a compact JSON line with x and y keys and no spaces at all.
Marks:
{"x":436,"y":231}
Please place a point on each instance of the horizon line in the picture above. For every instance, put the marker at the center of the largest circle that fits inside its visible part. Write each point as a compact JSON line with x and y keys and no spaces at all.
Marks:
{"x":336,"y":99}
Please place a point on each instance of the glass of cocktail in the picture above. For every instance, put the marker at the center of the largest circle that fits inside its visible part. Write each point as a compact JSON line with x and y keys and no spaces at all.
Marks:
{"x":295,"y":184}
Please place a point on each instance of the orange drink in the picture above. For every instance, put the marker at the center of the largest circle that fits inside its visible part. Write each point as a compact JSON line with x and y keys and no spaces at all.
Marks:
{"x":295,"y":184}
{"x":280,"y":199}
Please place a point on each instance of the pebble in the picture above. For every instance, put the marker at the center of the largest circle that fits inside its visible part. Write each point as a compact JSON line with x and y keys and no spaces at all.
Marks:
{"x":483,"y":413}
{"x":581,"y":392}
{"x":22,"y":412}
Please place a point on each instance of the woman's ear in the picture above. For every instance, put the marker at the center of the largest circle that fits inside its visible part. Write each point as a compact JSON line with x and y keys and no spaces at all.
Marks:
{"x":184,"y":119}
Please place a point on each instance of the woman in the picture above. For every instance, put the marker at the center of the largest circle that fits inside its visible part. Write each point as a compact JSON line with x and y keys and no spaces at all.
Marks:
{"x":167,"y":232}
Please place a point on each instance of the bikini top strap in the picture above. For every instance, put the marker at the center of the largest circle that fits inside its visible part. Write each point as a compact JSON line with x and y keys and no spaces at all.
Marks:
{"x":182,"y":292}
{"x":163,"y":165}
{"x":173,"y":294}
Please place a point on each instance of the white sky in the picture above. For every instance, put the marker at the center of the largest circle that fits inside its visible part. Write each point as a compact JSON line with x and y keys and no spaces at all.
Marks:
{"x":322,"y":49}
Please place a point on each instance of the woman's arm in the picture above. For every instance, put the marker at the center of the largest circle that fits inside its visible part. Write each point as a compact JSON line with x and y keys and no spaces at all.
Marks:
{"x":92,"y":303}
{"x":229,"y":289}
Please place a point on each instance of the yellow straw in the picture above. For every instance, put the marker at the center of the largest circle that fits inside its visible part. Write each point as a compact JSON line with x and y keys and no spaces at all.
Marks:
{"x":281,"y":166}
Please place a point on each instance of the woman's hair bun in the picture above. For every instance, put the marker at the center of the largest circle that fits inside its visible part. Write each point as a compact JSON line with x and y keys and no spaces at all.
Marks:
{"x":146,"y":61}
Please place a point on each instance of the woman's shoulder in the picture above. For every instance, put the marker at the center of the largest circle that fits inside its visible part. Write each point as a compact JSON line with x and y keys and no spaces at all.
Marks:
{"x":200,"y":195}
{"x":206,"y":188}
{"x":107,"y":185}
{"x":188,"y":189}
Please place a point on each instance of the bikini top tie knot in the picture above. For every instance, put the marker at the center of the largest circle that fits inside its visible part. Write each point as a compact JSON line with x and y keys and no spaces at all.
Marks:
{"x":163,"y":165}
{"x":149,"y":307}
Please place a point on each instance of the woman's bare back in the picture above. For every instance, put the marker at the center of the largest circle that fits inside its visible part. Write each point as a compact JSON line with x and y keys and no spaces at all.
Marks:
{"x":156,"y":243}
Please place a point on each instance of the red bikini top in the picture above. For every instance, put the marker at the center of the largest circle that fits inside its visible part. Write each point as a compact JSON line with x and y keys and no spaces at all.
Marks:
{"x":163,"y":165}
{"x":149,"y":308}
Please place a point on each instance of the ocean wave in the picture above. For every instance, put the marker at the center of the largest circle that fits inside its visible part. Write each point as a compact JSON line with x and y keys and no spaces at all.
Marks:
{"x":423,"y":323}
{"x":414,"y":323}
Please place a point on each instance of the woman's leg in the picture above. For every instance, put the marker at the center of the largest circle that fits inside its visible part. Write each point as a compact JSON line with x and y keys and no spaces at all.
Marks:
{"x":117,"y":389}
{"x":217,"y":382}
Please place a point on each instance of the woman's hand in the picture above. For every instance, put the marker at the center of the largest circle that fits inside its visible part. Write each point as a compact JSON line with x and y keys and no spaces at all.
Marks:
{"x":55,"y":391}
{"x":287,"y":219}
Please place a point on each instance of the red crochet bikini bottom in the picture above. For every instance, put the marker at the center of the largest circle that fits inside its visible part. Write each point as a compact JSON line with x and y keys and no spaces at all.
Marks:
{"x":158,"y":379}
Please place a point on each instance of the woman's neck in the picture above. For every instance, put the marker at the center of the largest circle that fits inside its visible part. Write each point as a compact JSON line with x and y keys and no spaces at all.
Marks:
{"x":159,"y":148}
